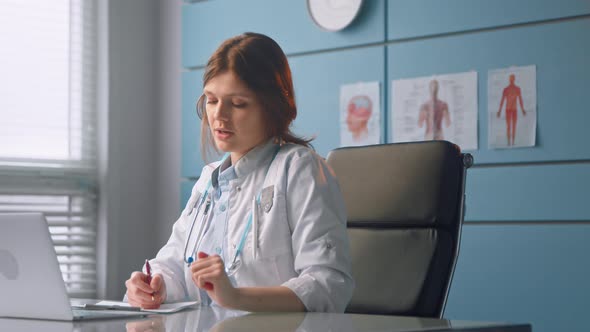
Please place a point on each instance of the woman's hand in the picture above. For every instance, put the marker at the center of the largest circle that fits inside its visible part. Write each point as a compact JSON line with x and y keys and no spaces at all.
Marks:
{"x":208,"y":273}
{"x":141,"y":294}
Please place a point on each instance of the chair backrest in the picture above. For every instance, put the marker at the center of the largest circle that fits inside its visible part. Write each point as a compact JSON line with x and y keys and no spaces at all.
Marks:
{"x":404,"y":203}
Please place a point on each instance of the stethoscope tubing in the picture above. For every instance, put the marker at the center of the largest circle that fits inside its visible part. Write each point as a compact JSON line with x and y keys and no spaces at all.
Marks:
{"x":204,"y":223}
{"x":196,"y":210}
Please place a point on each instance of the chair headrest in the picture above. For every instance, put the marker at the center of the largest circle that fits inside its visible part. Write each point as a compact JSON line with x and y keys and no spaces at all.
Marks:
{"x":415,"y":183}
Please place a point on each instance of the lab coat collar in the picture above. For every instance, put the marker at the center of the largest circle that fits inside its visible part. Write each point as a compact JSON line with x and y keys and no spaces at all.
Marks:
{"x":252,"y":160}
{"x":249,"y":162}
{"x":224,"y":164}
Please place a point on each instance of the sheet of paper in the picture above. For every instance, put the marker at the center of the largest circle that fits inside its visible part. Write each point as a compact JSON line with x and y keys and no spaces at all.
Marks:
{"x":441,"y":107}
{"x":164,"y":308}
{"x":512,"y":107}
{"x":360,"y":114}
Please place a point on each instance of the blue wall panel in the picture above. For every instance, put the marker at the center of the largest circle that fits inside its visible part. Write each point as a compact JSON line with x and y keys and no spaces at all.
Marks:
{"x":192,"y":88}
{"x":206,"y":24}
{"x":560,"y":51}
{"x":186,"y":188}
{"x":515,"y":269}
{"x":529,"y":193}
{"x":317,"y":80}
{"x":516,"y":273}
{"x":416,"y":18}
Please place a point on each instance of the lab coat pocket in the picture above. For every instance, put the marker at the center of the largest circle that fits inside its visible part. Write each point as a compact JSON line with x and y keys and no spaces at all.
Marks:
{"x":274,"y":237}
{"x":192,"y":204}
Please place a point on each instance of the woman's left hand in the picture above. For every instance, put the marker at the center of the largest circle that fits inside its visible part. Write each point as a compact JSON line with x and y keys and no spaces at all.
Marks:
{"x":208,"y":273}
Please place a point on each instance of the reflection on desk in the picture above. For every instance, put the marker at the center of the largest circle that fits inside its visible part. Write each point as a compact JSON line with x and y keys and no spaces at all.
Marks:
{"x":222,"y":320}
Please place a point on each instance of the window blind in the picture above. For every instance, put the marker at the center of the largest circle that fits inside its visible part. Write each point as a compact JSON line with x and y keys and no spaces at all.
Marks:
{"x":48,"y":133}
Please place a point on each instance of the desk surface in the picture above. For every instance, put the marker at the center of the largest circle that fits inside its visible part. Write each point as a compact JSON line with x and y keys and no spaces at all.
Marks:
{"x":218,"y":319}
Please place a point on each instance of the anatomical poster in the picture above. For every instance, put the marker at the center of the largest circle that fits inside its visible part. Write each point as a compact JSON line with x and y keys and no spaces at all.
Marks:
{"x":360,"y":108}
{"x":512,"y":107}
{"x":441,"y":107}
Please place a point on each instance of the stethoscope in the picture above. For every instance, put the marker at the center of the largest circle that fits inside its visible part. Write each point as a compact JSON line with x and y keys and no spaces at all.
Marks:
{"x":205,"y":221}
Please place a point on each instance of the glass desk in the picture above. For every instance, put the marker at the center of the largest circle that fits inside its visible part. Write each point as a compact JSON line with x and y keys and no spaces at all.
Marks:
{"x":218,"y":319}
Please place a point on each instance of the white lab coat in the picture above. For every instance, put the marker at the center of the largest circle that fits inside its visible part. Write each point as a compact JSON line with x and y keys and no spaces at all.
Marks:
{"x":298,"y":237}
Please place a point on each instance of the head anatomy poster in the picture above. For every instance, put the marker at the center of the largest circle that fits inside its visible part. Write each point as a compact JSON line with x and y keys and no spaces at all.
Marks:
{"x":512,"y":107}
{"x":441,"y":107}
{"x":360,"y":108}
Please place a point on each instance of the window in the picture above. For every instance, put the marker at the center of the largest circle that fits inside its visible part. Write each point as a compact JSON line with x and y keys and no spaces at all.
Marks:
{"x":48,"y":134}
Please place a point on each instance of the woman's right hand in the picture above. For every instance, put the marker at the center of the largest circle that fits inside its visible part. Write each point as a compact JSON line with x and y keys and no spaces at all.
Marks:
{"x":144,"y":295}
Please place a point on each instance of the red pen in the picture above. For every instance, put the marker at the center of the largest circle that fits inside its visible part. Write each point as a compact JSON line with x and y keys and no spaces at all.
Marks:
{"x":148,"y":270}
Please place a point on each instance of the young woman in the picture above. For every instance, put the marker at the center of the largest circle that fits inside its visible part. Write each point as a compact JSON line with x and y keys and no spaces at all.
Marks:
{"x":265,"y":227}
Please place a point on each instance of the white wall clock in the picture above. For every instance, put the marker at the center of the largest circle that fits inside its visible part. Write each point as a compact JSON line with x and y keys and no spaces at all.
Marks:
{"x":333,"y":15}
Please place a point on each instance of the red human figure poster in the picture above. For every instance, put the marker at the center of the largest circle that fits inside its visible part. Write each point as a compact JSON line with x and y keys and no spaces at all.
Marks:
{"x":512,"y":107}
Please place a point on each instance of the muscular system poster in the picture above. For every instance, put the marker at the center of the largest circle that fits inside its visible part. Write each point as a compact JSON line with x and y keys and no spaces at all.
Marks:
{"x":442,"y":107}
{"x":512,"y":107}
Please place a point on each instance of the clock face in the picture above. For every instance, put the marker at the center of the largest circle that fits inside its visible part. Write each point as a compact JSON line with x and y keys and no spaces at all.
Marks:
{"x":333,"y":15}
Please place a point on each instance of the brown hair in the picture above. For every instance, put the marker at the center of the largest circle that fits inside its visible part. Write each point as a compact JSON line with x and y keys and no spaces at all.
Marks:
{"x":260,"y":63}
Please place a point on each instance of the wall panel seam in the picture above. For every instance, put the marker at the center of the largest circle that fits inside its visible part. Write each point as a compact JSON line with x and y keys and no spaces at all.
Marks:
{"x":490,"y":28}
{"x":426,"y":37}
{"x":526,"y":223}
{"x":532,"y":163}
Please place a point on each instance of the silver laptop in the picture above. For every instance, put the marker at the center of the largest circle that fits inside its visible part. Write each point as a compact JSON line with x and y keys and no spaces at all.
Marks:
{"x":31,"y":284}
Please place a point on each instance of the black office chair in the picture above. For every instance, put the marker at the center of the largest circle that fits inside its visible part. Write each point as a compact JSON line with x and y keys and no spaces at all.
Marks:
{"x":405,"y":206}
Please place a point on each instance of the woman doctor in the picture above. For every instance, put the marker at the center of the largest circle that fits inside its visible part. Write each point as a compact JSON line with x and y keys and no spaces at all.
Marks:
{"x":265,"y":227}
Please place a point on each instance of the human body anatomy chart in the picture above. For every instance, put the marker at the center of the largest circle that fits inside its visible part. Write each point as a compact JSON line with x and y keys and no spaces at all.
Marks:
{"x":442,"y":107}
{"x":512,"y":107}
{"x":360,"y":108}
